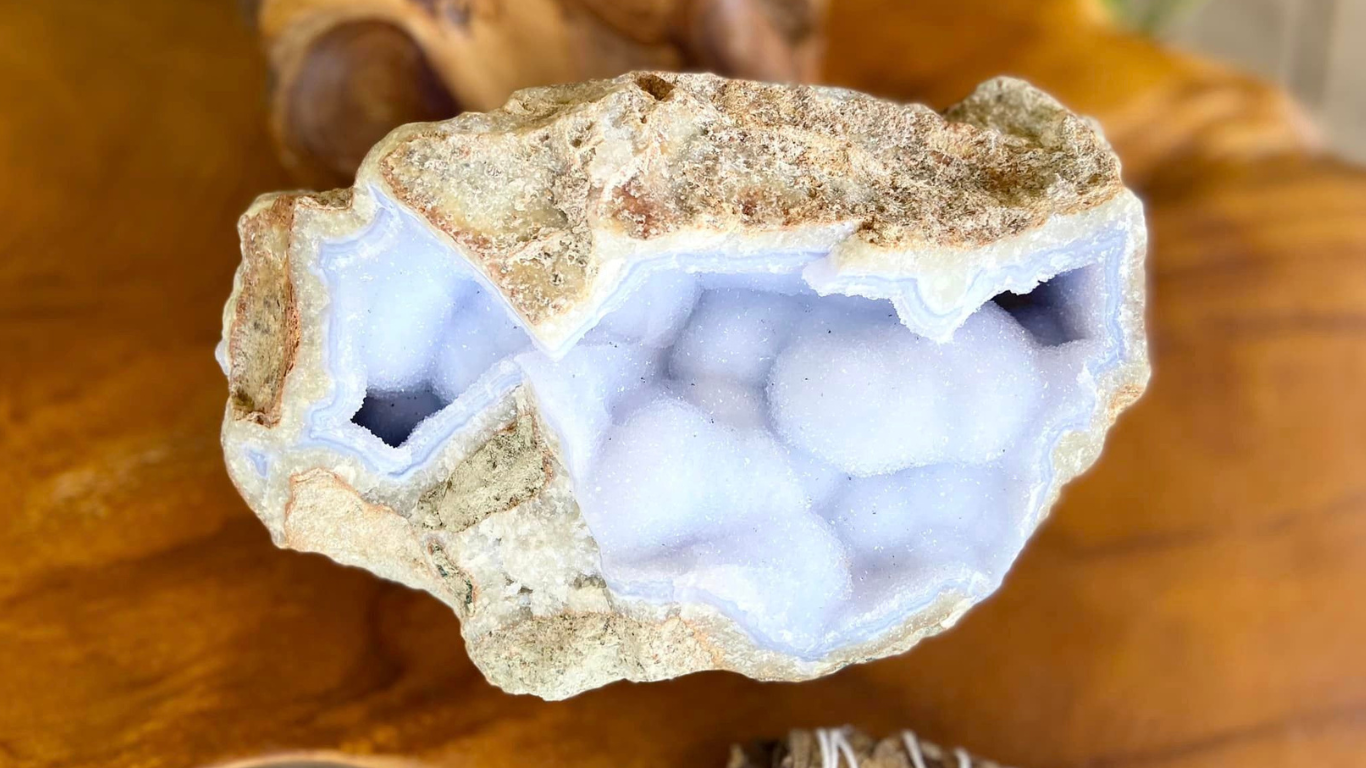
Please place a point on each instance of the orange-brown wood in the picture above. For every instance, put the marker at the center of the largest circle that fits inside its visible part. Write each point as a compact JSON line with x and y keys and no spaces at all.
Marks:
{"x":345,"y":72}
{"x":1194,"y":602}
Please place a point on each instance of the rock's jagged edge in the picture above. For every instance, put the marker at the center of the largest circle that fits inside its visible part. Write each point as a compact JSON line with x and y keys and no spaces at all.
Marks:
{"x":598,"y":173}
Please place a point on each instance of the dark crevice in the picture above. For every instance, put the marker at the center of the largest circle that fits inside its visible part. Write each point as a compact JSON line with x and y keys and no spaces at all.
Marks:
{"x":659,"y":88}
{"x":392,"y":416}
{"x":1048,"y":312}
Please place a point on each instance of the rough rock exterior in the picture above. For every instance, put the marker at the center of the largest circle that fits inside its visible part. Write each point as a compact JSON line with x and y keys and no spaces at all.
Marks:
{"x":552,"y":197}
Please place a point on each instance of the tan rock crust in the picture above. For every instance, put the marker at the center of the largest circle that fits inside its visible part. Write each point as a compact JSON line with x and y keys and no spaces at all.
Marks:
{"x":266,"y":320}
{"x":527,"y":190}
{"x":552,"y":196}
{"x":512,"y":467}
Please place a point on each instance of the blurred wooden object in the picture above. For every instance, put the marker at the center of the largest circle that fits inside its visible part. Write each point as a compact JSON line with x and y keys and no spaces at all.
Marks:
{"x":345,"y":72}
{"x":845,"y":746}
{"x":1194,"y":602}
{"x":1312,"y":48}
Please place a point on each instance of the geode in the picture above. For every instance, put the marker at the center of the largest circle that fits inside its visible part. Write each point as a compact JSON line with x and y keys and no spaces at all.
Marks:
{"x":668,"y":373}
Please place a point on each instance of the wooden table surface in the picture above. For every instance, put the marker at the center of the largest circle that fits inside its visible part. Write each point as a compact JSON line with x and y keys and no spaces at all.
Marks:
{"x":1198,"y":599}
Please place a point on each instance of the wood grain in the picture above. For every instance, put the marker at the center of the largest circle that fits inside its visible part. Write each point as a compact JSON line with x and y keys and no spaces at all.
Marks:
{"x":1194,"y":602}
{"x":345,"y":72}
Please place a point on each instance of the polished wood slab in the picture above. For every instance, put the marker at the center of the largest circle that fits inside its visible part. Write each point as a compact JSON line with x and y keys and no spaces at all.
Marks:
{"x":1196,"y":600}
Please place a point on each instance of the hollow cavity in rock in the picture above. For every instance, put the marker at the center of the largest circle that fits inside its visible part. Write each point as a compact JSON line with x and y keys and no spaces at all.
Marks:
{"x":806,"y":464}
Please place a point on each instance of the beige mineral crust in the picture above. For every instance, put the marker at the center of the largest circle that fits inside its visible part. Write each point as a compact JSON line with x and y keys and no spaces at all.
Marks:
{"x":552,"y":198}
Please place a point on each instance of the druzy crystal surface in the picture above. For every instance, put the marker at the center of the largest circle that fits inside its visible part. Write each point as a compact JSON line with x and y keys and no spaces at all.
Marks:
{"x":765,"y":406}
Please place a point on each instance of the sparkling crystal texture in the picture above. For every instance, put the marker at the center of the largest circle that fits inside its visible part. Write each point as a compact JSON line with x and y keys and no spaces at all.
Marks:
{"x":712,"y":416}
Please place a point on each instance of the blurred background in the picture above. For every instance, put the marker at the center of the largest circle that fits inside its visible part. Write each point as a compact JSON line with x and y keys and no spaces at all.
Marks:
{"x":1195,"y":600}
{"x":1310,"y":47}
{"x":344,"y":73}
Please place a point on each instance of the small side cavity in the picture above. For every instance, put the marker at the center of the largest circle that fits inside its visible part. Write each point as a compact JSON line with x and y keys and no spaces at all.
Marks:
{"x":1056,"y":311}
{"x":393,"y":416}
{"x":412,"y":330}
